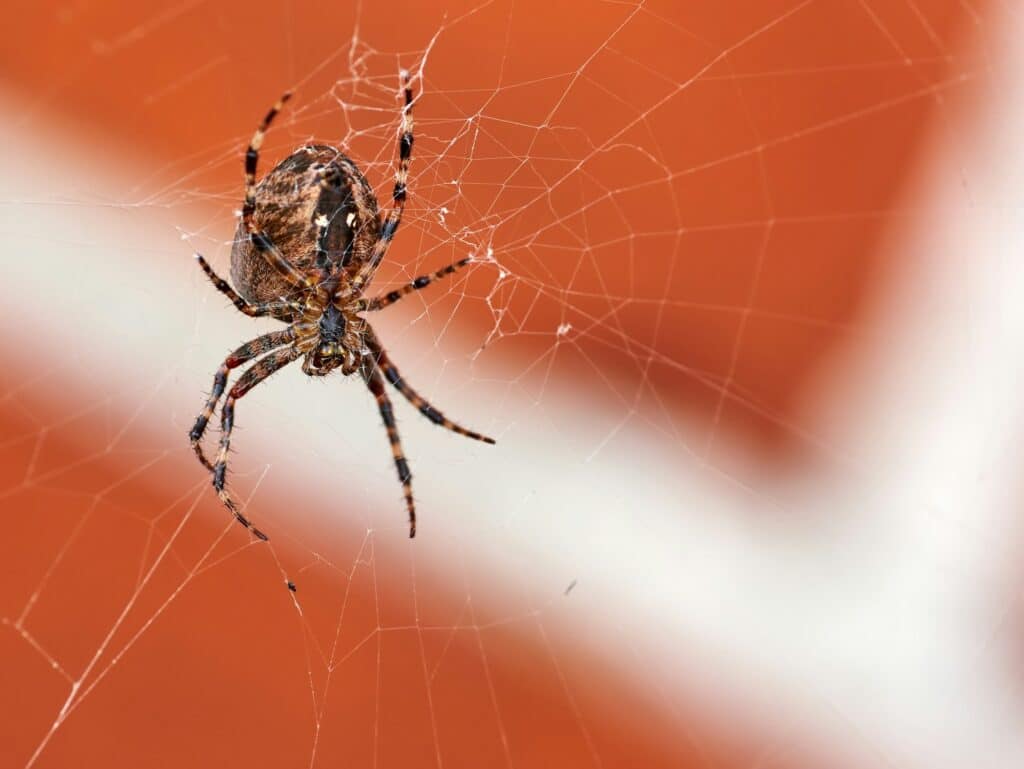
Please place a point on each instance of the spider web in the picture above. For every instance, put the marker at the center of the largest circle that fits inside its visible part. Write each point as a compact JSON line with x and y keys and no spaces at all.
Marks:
{"x":678,"y":219}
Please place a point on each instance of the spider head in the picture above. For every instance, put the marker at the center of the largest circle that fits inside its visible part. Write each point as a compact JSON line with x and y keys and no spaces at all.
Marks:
{"x":335,"y":345}
{"x":324,"y":358}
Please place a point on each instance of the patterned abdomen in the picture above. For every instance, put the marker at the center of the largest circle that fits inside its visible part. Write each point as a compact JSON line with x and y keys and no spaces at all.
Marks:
{"x":313,"y":181}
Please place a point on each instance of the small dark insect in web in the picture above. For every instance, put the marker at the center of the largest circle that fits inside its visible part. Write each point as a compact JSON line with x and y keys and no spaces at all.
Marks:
{"x":308,"y":245}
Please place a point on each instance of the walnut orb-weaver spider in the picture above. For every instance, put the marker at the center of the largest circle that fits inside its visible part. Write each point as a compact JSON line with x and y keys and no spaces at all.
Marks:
{"x":306,"y":249}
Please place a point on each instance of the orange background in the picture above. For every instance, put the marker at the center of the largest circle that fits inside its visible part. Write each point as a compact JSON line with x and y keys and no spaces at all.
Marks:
{"x":743,"y":238}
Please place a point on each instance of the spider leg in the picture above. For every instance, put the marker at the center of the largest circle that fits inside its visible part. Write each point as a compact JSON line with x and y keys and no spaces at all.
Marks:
{"x":393,"y":376}
{"x":371,"y":374}
{"x":259,"y":239}
{"x":243,"y":354}
{"x":255,"y":374}
{"x":394,"y":217}
{"x":252,"y":156}
{"x":276,"y":259}
{"x":382,"y":301}
{"x":252,"y":310}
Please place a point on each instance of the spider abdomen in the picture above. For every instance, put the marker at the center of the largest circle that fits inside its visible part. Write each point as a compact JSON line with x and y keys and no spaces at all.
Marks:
{"x":313,"y":182}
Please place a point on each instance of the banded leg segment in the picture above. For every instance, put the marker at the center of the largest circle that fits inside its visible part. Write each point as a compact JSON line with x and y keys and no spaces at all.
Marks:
{"x":371,"y":374}
{"x":259,"y":371}
{"x":252,"y":310}
{"x":393,"y":376}
{"x":252,"y":156}
{"x":243,"y":354}
{"x":394,"y":217}
{"x":382,"y":301}
{"x":260,"y":240}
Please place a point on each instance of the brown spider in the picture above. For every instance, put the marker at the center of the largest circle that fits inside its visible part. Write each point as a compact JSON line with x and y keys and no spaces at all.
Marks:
{"x":307,"y":247}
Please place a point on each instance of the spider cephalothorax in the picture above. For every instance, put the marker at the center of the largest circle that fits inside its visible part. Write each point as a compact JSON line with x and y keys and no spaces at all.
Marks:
{"x":307,"y":247}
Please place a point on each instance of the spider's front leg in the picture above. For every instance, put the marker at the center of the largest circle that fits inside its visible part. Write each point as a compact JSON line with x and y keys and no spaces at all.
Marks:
{"x":371,"y":374}
{"x":262,"y":369}
{"x":243,"y":354}
{"x":424,"y":406}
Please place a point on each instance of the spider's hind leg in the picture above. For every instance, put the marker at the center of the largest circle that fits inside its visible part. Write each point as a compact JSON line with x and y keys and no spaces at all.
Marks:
{"x":390,"y":221}
{"x":260,"y":241}
{"x":252,"y":156}
{"x":276,"y":310}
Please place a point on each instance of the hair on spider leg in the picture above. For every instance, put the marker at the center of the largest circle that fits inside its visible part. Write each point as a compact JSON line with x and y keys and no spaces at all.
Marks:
{"x":308,"y":244}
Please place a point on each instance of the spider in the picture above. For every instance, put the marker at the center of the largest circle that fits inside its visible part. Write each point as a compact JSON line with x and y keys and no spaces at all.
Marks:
{"x":306,"y":249}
